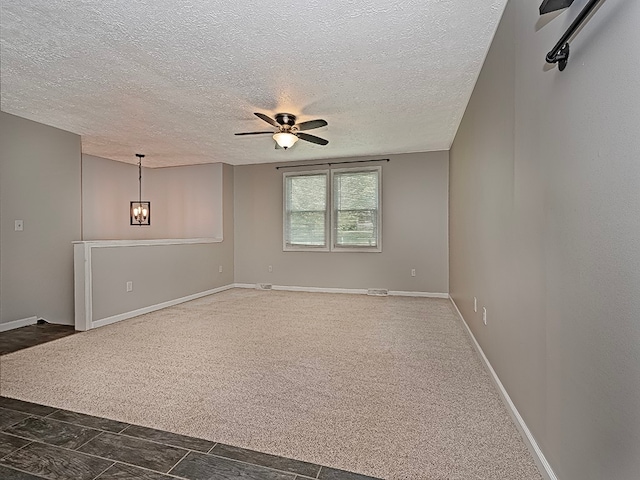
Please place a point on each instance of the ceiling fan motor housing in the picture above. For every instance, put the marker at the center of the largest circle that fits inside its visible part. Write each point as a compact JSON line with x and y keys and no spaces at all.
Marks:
{"x":286,"y":119}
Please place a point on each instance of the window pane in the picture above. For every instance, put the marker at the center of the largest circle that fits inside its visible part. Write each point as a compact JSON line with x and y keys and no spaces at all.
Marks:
{"x":357,"y":228}
{"x":306,"y":210}
{"x":356,"y":200}
{"x":307,"y":193}
{"x":307,"y":228}
{"x":356,"y":190}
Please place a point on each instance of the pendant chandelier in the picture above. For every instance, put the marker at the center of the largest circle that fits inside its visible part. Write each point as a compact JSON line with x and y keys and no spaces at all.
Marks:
{"x":140,"y":211}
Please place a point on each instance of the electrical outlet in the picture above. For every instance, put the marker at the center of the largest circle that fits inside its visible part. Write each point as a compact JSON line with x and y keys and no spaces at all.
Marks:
{"x":475,"y":304}
{"x":19,"y":226}
{"x":270,"y":268}
{"x":220,"y":269}
{"x":129,"y":286}
{"x":413,"y":272}
{"x":484,"y":315}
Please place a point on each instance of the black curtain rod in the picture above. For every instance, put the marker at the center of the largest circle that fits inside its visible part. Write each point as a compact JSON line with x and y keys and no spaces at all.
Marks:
{"x":560,"y":52}
{"x":330,"y":163}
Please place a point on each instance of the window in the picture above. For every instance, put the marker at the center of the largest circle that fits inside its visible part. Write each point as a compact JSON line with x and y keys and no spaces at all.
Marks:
{"x":347,"y":209}
{"x":356,"y":209}
{"x":305,"y":211}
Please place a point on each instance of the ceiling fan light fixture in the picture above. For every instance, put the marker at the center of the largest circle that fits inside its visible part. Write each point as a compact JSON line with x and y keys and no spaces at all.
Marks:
{"x":289,"y":132}
{"x":285,"y":139}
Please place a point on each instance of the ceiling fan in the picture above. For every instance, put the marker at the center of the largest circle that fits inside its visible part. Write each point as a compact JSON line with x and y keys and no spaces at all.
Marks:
{"x":289,"y":132}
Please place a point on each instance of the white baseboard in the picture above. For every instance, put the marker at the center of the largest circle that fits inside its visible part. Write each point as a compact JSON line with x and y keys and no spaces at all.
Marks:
{"x":530,"y":441}
{"x":23,"y":322}
{"x":399,"y":293}
{"x":288,"y":288}
{"x":353,"y":291}
{"x":244,"y":285}
{"x":306,"y":289}
{"x":159,"y":306}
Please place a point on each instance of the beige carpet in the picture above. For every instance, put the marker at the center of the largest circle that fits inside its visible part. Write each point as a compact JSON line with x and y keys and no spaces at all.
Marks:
{"x":387,"y":386}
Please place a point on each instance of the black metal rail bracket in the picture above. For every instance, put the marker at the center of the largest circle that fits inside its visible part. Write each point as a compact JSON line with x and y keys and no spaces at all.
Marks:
{"x":548,"y":6}
{"x":560,"y":52}
{"x":561,"y":57}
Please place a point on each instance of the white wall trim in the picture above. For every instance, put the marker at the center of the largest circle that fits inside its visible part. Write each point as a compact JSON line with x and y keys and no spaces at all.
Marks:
{"x":137,"y":243}
{"x":352,"y":291}
{"x":287,"y":288}
{"x":399,"y":293}
{"x":244,"y":285}
{"x":88,"y":289}
{"x":23,"y":322}
{"x":158,"y":306}
{"x":530,"y":441}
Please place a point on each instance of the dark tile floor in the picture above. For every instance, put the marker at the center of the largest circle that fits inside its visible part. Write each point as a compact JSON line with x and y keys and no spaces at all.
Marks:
{"x":24,"y":337}
{"x":41,"y":442}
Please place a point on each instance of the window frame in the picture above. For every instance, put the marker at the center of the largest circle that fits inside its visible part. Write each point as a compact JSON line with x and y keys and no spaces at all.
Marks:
{"x":327,"y":220}
{"x":330,"y":216}
{"x":334,"y":217}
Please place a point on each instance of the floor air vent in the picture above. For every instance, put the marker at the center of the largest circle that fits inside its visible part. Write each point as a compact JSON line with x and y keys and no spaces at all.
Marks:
{"x":263,"y":286}
{"x":378,"y":292}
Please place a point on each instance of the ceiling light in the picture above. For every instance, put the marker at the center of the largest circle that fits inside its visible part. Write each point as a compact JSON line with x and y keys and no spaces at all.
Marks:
{"x":285,"y":139}
{"x":140,"y":212}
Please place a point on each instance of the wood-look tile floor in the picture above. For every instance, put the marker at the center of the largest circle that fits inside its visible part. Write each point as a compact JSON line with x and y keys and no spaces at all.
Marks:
{"x":40,"y":442}
{"x":29,"y":336}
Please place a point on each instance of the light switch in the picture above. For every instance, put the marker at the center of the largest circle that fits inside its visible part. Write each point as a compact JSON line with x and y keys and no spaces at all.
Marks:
{"x":19,"y":226}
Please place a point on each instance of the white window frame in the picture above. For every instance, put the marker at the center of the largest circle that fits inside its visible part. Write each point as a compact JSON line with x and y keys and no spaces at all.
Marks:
{"x":327,"y":225}
{"x":334,"y":218}
{"x":330,"y":217}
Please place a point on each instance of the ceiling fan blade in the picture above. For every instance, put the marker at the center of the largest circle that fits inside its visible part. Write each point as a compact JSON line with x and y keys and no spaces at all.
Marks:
{"x":252,"y":133}
{"x":311,"y":124}
{"x":312,"y":138}
{"x":267,"y":119}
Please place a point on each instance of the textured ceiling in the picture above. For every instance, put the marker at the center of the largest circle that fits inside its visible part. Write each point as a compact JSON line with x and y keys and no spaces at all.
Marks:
{"x":175,"y":79}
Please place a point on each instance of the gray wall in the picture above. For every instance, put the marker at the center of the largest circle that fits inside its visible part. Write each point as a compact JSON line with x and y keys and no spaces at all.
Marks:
{"x":414,"y":211}
{"x":159,"y":273}
{"x":162,"y":272}
{"x":545,"y":229}
{"x":186,"y":202}
{"x":39,"y":184}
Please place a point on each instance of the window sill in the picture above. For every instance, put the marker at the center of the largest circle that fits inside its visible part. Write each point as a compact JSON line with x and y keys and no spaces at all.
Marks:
{"x":357,"y":249}
{"x":305,"y":249}
{"x":335,"y":250}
